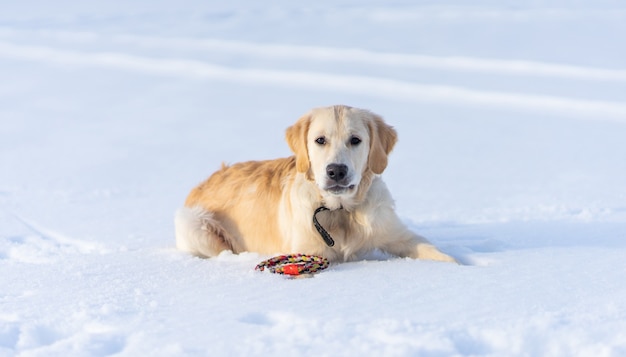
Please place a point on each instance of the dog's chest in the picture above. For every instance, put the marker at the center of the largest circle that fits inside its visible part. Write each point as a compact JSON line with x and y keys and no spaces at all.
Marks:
{"x":343,"y":226}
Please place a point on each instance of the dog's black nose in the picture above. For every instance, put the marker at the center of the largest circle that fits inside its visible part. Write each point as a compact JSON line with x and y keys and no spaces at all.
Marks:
{"x":337,"y":172}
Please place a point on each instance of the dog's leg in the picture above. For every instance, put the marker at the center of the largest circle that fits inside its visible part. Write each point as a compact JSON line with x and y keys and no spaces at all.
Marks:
{"x":411,"y":245}
{"x":199,"y":233}
{"x":430,"y":252}
{"x":414,"y":246}
{"x":403,"y":242}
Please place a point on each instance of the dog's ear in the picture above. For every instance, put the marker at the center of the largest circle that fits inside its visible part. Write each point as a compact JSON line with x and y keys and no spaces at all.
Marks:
{"x":296,"y":138}
{"x":382,"y":140}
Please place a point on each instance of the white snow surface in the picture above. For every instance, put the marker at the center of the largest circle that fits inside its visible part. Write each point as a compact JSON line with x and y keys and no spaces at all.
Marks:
{"x":512,"y":158}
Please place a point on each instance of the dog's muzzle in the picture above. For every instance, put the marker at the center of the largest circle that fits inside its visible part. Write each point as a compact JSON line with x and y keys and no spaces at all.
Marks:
{"x":338,"y":180}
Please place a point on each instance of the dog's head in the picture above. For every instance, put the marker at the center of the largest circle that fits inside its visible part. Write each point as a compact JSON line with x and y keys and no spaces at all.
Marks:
{"x":340,"y":148}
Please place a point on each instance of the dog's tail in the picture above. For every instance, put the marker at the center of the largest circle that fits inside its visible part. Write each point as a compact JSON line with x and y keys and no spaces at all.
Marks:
{"x":198,"y":232}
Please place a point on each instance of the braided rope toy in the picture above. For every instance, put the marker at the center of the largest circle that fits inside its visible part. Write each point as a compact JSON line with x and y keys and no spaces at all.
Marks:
{"x":294,"y":264}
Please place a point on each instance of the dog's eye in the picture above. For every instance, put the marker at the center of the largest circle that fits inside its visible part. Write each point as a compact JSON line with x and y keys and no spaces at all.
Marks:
{"x":354,"y":141}
{"x":321,"y":140}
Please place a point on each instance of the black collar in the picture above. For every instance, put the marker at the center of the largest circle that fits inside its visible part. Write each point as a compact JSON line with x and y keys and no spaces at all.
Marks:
{"x":325,"y":235}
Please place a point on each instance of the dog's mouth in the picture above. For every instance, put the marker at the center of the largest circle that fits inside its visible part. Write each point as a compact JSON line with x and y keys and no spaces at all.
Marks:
{"x":339,"y":189}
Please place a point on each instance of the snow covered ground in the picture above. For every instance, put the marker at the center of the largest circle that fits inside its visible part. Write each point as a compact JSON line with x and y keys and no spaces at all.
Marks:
{"x":512,"y":157}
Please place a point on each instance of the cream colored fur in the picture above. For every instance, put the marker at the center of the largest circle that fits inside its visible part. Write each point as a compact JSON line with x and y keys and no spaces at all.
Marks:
{"x":267,"y":206}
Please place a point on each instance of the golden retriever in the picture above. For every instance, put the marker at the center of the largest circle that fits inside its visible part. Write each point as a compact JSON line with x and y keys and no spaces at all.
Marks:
{"x":268,"y":206}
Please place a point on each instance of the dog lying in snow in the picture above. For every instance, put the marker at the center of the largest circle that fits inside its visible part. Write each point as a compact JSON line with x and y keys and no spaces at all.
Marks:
{"x":268,"y":206}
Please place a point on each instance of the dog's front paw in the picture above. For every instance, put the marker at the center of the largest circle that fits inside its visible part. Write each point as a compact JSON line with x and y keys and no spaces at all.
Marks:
{"x":430,"y":252}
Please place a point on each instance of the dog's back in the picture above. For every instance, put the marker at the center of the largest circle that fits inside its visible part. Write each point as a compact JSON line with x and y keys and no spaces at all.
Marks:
{"x":247,"y":192}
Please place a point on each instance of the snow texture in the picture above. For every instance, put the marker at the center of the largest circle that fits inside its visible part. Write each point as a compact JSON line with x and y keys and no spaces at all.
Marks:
{"x":512,"y":126}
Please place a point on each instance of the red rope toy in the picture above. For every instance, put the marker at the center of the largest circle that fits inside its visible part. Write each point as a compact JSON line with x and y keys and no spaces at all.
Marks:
{"x":294,"y":264}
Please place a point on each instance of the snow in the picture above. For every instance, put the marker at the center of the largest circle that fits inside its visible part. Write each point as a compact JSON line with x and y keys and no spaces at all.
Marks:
{"x":512,"y":119}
